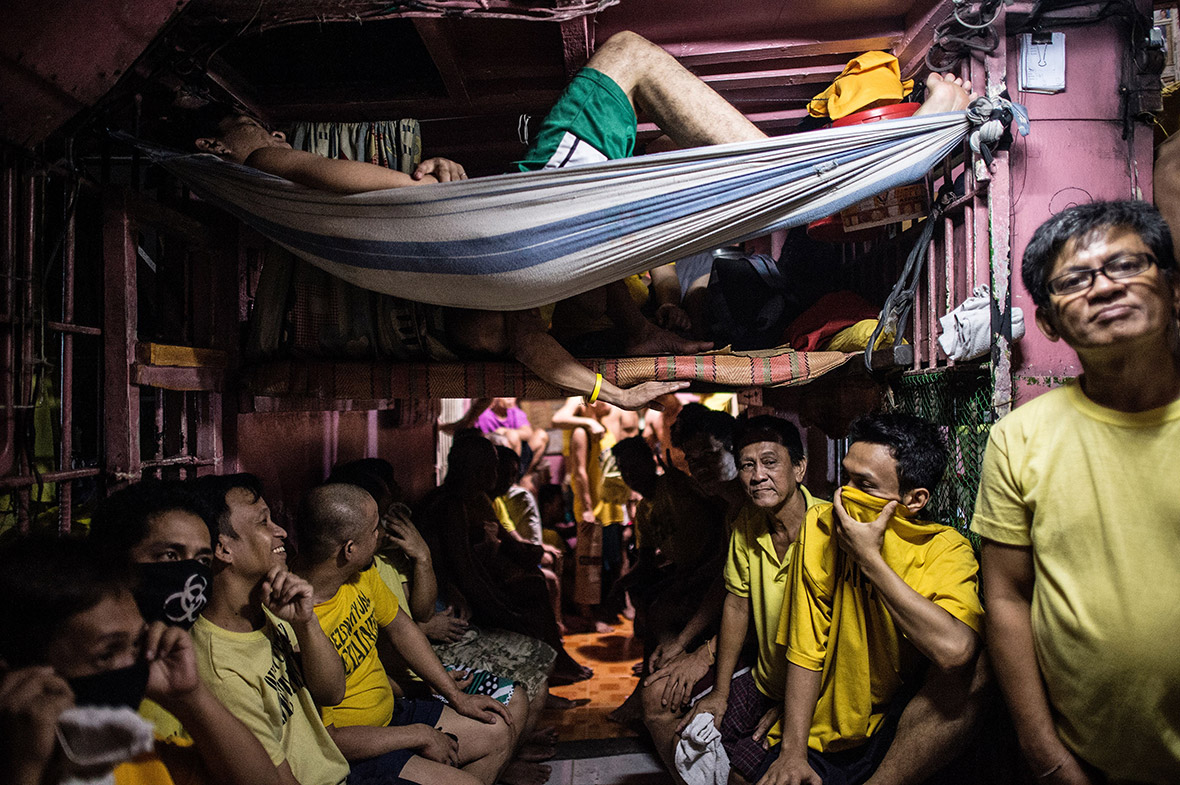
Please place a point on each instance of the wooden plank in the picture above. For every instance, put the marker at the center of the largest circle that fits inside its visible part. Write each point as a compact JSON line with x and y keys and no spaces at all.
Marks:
{"x":120,"y":315}
{"x":180,"y":379}
{"x":433,"y":33}
{"x":181,"y":356}
{"x":919,"y":35}
{"x":577,"y":41}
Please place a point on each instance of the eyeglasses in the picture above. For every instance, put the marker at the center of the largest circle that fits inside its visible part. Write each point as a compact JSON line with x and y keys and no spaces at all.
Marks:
{"x":1126,"y":266}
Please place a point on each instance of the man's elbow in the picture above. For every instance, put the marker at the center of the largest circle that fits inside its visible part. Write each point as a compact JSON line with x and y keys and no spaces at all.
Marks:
{"x":957,"y":651}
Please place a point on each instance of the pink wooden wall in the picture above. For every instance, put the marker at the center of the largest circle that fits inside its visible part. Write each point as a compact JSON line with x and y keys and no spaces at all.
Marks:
{"x":1075,"y":153}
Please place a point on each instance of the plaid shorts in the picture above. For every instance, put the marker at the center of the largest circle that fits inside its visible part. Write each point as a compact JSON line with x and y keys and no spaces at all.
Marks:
{"x":746,"y":707}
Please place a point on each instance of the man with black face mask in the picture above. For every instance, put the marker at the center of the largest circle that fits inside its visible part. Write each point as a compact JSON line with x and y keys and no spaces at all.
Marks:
{"x":73,"y":642}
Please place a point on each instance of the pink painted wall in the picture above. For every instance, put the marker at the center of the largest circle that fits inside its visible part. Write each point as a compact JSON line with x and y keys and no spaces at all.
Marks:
{"x":1075,"y":153}
{"x":293,"y":451}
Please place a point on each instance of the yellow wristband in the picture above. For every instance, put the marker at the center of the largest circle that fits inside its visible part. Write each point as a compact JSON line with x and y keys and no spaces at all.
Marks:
{"x":597,"y":388}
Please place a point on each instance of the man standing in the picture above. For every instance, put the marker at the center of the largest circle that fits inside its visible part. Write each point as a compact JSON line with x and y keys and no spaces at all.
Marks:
{"x":1081,"y":526}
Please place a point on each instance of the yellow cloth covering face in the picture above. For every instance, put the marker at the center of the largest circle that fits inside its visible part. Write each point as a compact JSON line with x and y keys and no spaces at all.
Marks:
{"x":836,"y":623}
{"x":1093,"y":492}
{"x":352,"y":620}
{"x":872,"y":79}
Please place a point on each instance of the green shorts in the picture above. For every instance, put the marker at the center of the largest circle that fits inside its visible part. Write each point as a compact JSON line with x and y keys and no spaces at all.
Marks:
{"x":592,"y":121}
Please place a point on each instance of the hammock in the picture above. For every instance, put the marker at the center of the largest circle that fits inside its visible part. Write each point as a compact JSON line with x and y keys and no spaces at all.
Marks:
{"x":523,"y":240}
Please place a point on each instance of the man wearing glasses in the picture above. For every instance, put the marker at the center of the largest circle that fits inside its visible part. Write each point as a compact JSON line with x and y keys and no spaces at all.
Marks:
{"x":1080,"y":511}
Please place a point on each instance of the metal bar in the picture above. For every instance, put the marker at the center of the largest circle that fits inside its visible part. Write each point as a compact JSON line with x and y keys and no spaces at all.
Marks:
{"x":949,"y":256}
{"x":73,"y":329}
{"x":999,"y":212}
{"x":25,"y":480}
{"x":65,"y":491}
{"x":8,"y":345}
{"x":931,"y":303}
{"x":177,"y":460}
{"x":25,"y":377}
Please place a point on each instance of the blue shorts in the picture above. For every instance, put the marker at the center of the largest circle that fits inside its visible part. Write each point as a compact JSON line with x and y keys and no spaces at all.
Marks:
{"x":386,"y":769}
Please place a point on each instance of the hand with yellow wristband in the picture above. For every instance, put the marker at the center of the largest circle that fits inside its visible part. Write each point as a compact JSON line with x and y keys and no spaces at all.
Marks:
{"x":632,"y":397}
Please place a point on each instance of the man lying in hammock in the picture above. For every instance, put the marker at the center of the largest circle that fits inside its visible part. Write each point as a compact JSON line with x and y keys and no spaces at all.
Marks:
{"x":594,"y":120}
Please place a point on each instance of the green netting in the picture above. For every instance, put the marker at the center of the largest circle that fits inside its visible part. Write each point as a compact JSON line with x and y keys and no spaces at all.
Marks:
{"x":959,"y":401}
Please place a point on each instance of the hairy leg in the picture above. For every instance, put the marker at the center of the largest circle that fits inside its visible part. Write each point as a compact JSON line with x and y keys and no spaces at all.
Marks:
{"x":936,"y":724}
{"x":687,"y":109}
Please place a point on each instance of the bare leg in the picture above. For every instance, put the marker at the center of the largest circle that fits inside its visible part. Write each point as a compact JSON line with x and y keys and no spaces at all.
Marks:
{"x":483,"y":749}
{"x":661,"y":723}
{"x":937,"y":724}
{"x":422,"y":770}
{"x":539,"y":442}
{"x":687,"y":109}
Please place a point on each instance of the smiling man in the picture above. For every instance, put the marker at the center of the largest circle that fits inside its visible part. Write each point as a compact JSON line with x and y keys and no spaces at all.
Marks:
{"x":1080,"y":519}
{"x":259,"y":645}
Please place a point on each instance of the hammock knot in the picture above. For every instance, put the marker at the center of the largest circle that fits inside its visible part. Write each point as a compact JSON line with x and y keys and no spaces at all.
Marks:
{"x":991,"y":118}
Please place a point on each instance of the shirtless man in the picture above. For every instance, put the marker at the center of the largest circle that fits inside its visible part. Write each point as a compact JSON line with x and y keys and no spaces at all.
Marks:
{"x":626,"y":74}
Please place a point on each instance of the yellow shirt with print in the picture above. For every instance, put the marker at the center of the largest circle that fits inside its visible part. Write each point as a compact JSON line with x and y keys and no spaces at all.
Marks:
{"x":836,"y":622}
{"x":352,"y":620}
{"x":1092,"y":491}
{"x":754,"y":570}
{"x":258,"y":678}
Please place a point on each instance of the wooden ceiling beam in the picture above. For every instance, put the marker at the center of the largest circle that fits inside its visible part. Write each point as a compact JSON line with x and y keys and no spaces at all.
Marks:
{"x":696,"y":54}
{"x":919,"y":35}
{"x":434,"y":35}
{"x":779,"y":77}
{"x":577,"y":41}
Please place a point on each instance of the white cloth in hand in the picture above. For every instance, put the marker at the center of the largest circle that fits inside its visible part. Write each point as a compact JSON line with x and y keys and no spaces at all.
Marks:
{"x":700,"y":758}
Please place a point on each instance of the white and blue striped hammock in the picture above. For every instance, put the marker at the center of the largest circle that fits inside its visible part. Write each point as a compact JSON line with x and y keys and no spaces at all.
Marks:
{"x":519,"y":241}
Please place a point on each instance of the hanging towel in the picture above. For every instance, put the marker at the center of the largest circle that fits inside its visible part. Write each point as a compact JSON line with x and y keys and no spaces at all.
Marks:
{"x":871,"y":79}
{"x":700,"y":758}
{"x":967,"y":330}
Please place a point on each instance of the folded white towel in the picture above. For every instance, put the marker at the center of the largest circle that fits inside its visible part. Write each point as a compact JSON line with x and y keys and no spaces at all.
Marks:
{"x":700,"y":758}
{"x":967,"y":330}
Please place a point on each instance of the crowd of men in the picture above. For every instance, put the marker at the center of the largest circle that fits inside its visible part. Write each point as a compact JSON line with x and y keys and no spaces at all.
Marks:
{"x":787,"y":639}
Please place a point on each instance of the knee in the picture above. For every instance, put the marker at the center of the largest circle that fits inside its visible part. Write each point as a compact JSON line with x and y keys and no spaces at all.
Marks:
{"x":627,"y":41}
{"x":540,"y":440}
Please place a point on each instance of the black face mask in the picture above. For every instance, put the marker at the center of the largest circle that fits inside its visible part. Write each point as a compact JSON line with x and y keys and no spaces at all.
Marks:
{"x":173,"y":592}
{"x":122,"y":687}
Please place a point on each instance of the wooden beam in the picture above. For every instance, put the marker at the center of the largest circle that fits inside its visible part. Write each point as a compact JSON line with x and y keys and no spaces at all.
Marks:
{"x":180,"y":356}
{"x":695,"y":54}
{"x":778,"y":77}
{"x":176,"y":378}
{"x":310,"y":106}
{"x":577,"y":41}
{"x":919,"y":35}
{"x":120,"y":315}
{"x":433,"y":33}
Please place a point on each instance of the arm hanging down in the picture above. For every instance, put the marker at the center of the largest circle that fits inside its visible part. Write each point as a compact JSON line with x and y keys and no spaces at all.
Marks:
{"x":348,"y":177}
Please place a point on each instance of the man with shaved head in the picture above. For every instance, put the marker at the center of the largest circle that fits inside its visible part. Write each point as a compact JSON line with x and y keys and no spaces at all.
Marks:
{"x":386,"y":738}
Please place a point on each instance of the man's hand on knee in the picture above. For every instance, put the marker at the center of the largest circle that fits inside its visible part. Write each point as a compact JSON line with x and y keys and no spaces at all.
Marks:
{"x":790,"y":771}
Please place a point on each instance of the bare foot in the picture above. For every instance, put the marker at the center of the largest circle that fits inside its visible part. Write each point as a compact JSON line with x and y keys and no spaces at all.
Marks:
{"x":544,"y":736}
{"x":654,"y":340}
{"x":570,"y":675}
{"x":630,"y":712}
{"x":946,"y":93}
{"x":524,"y":773}
{"x":535,"y":753}
{"x":563,"y":704}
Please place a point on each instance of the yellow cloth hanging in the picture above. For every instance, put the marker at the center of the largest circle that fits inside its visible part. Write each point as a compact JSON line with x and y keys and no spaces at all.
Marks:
{"x":873,"y":78}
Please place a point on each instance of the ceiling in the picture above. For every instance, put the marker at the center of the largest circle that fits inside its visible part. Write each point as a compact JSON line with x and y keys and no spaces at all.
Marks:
{"x":467,"y":69}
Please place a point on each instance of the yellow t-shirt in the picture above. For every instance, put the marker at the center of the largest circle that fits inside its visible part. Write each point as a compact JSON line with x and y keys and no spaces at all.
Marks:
{"x":144,"y":770}
{"x":395,"y":580}
{"x":1091,"y":491}
{"x":753,"y":570}
{"x":257,"y":676}
{"x":837,"y":624}
{"x":352,"y":620}
{"x":500,"y":505}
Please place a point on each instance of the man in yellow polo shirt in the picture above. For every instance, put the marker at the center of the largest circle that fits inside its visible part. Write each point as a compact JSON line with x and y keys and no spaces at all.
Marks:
{"x":881,"y":626}
{"x":771,"y":465}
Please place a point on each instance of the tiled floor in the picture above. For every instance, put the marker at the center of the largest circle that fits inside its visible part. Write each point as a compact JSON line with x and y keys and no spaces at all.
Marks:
{"x":592,"y":749}
{"x":612,"y":656}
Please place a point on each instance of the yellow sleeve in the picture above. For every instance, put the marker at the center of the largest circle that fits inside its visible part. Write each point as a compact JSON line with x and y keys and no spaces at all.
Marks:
{"x":505,"y":518}
{"x":384,"y":600}
{"x":737,"y":565}
{"x":951,"y":581}
{"x":1000,"y":512}
{"x":806,"y":620}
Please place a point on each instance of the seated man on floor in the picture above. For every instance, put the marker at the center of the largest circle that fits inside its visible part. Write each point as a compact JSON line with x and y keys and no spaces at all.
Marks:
{"x":258,"y":643}
{"x":762,"y":547}
{"x":1076,"y":506}
{"x":885,"y":682}
{"x":593,"y":121}
{"x":162,"y":530}
{"x":504,"y":418}
{"x":73,"y":642}
{"x":384,"y":738}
